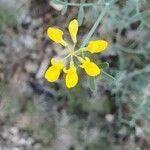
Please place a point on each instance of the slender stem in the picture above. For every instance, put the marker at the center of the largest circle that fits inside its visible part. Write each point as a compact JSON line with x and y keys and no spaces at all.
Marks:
{"x":108,"y":75}
{"x":74,"y":45}
{"x":137,"y":72}
{"x":75,"y":55}
{"x":77,"y":4}
{"x":66,"y":57}
{"x":71,"y":57}
{"x":79,"y":50}
{"x":79,"y":58}
{"x":127,"y":50}
{"x":99,"y":19}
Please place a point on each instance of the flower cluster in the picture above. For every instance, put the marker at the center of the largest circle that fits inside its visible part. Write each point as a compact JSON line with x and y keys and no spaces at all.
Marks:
{"x":91,"y":69}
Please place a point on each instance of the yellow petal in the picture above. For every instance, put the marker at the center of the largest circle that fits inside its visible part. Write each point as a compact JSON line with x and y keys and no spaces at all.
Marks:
{"x":53,"y":61}
{"x":71,"y":80}
{"x":73,"y":29}
{"x":56,"y":35}
{"x":97,"y":46}
{"x":71,"y":77}
{"x":90,"y":68}
{"x":65,"y":70}
{"x":58,"y":65}
{"x":52,"y":74}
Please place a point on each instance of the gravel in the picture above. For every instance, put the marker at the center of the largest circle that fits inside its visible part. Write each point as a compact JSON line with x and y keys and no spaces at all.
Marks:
{"x":12,"y":138}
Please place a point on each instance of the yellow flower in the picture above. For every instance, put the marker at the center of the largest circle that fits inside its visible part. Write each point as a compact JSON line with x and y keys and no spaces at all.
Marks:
{"x":73,"y":29}
{"x":97,"y":46}
{"x":71,"y":76}
{"x":53,"y":72}
{"x":90,"y":68}
{"x":56,"y":34}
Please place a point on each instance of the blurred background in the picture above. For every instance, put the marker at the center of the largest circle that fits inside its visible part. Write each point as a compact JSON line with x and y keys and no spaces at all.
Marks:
{"x":37,"y":115}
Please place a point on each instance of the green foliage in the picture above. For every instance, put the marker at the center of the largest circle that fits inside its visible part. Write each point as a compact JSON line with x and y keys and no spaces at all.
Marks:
{"x":80,"y":15}
{"x":130,"y":76}
{"x":91,"y":83}
{"x":82,"y":6}
{"x":7,"y":18}
{"x":12,"y":109}
{"x":44,"y":132}
{"x":101,"y":143}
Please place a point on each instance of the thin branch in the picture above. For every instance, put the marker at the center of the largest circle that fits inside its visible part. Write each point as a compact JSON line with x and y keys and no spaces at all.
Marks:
{"x":99,"y":19}
{"x":77,"y":4}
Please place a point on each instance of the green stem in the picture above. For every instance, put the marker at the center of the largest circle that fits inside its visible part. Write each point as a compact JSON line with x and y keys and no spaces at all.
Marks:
{"x":71,"y":57}
{"x":79,"y":58}
{"x":99,"y":19}
{"x":77,"y":4}
{"x":108,"y":75}
{"x":80,"y":50}
{"x":66,"y":57}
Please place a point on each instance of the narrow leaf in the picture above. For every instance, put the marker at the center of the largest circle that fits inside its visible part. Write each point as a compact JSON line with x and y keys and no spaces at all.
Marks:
{"x":107,"y":78}
{"x":80,"y":15}
{"x":146,"y":18}
{"x":92,"y":83}
{"x":94,"y":14}
{"x":65,"y":7}
{"x":104,"y":65}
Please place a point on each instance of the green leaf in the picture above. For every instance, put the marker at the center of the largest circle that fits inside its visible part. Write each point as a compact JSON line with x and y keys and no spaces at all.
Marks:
{"x":7,"y":17}
{"x":107,"y":78}
{"x":92,"y":83}
{"x":80,"y":15}
{"x":146,"y":18}
{"x":104,"y":65}
{"x":65,"y":7}
{"x":94,"y":14}
{"x":143,"y":16}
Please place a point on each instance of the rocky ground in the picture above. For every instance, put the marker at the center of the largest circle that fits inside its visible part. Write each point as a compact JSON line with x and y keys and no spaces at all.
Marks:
{"x":11,"y":138}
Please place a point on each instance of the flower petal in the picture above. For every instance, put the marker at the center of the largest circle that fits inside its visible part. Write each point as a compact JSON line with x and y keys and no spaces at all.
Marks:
{"x":58,"y":65}
{"x":71,"y":80}
{"x":53,"y":61}
{"x":56,"y":35}
{"x":71,"y":77}
{"x":97,"y":46}
{"x":90,"y":67}
{"x":73,"y":29}
{"x":52,"y":74}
